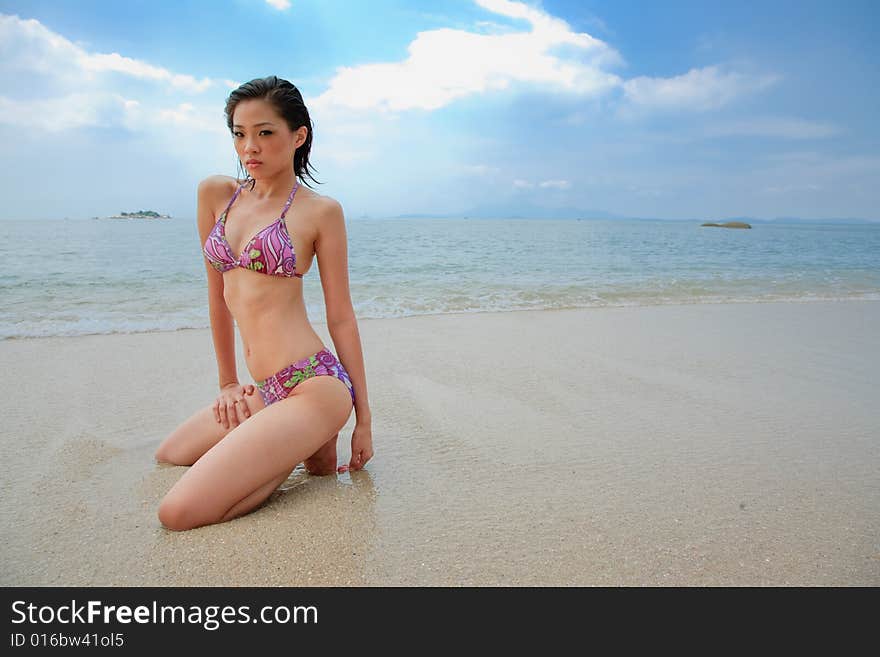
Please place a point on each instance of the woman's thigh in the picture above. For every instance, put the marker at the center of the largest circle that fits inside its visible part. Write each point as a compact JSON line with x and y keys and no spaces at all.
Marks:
{"x":256,"y":454}
{"x":195,"y":436}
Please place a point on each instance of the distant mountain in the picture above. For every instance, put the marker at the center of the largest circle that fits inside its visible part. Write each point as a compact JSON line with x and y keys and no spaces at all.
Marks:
{"x":422,"y":215}
{"x":531,"y":211}
{"x":847,"y":220}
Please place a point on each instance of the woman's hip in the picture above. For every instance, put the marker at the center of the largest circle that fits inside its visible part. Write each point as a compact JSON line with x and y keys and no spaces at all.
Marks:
{"x":322,"y":363}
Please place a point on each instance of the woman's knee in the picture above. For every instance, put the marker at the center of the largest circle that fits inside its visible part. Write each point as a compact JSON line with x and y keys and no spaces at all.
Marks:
{"x":178,"y":513}
{"x":197,"y":434}
{"x":193,"y":435}
{"x":169,"y":453}
{"x":182,"y":447}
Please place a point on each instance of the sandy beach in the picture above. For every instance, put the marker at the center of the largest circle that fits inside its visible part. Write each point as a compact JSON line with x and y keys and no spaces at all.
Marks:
{"x":727,"y":444}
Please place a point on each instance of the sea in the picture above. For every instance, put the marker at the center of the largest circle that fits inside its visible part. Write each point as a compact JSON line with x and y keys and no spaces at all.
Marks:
{"x":64,"y":277}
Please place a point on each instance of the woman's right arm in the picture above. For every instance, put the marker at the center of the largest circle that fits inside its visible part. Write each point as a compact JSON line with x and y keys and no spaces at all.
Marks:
{"x":209,"y":195}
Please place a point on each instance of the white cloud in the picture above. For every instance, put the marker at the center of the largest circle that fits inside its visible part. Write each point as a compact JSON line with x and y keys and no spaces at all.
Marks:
{"x":479,"y":169}
{"x":647,"y":192}
{"x":492,"y":27}
{"x":28,"y":45}
{"x":344,"y":155}
{"x":186,"y":114}
{"x":447,"y":64}
{"x":818,"y":166}
{"x":786,"y":128}
{"x":555,"y":184}
{"x":85,"y":89}
{"x":104,"y":109}
{"x":788,"y":189}
{"x":114,"y":62}
{"x":76,"y":110}
{"x":101,"y":109}
{"x":697,"y":90}
{"x":279,"y":4}
{"x":520,"y":183}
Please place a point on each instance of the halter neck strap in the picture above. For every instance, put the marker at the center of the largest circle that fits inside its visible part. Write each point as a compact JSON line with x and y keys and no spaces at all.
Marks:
{"x":290,"y":199}
{"x":232,"y":200}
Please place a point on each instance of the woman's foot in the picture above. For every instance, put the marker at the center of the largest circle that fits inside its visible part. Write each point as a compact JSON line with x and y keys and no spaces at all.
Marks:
{"x":323,"y":462}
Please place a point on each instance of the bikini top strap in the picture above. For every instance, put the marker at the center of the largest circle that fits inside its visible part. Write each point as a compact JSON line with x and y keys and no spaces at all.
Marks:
{"x":231,"y":201}
{"x":290,"y":199}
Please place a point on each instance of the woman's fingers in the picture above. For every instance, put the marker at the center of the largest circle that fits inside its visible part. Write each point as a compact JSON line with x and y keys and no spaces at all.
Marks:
{"x":362,"y":459}
{"x":243,"y":409}
{"x":231,"y":413}
{"x":224,"y":417}
{"x":234,"y":413}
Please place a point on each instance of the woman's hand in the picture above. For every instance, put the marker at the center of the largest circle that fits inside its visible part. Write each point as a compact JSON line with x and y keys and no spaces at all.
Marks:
{"x":361,"y":446}
{"x":230,"y":407}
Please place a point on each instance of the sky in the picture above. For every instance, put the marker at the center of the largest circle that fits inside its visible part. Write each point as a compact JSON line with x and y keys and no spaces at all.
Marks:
{"x":618,"y":108}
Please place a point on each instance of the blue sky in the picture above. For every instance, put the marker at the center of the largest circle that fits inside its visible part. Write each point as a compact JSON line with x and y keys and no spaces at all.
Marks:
{"x":689,"y":109}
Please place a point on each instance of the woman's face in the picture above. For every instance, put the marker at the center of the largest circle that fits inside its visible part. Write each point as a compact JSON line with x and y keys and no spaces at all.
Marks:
{"x":263,"y":141}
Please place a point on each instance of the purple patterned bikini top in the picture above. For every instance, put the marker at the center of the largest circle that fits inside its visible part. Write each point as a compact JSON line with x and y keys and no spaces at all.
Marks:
{"x":270,"y":251}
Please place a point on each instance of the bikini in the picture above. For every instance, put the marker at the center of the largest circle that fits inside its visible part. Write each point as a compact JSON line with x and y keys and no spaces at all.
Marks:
{"x":271,"y":252}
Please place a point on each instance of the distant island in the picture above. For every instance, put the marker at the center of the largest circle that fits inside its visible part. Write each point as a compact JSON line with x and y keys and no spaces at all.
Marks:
{"x":140,"y":214}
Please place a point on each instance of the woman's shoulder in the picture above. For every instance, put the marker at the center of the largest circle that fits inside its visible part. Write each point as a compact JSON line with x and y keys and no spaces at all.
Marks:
{"x":323,"y":204}
{"x":214,"y":192}
{"x":218,"y":185}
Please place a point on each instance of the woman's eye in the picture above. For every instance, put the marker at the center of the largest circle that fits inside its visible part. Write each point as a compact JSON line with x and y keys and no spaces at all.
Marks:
{"x":239,"y":134}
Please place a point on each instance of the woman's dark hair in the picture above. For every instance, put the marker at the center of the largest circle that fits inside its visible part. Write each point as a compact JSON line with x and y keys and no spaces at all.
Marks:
{"x":288,"y":102}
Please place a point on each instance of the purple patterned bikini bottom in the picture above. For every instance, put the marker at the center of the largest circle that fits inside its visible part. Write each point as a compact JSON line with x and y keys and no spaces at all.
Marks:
{"x":324,"y":363}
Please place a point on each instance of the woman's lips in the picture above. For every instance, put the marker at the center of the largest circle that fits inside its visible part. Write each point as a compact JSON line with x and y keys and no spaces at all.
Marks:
{"x":252,"y":163}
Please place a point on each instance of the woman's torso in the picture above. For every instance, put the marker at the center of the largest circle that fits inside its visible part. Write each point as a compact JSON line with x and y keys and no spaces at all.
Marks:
{"x":269,"y":309}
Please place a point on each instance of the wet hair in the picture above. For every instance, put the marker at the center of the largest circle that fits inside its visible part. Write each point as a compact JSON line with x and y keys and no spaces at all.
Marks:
{"x":286,"y":99}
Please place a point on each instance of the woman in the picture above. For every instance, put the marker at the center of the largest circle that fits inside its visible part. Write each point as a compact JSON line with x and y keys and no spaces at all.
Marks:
{"x":245,"y":445}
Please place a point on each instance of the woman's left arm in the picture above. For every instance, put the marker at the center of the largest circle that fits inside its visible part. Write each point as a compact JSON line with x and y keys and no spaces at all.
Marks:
{"x":331,"y":250}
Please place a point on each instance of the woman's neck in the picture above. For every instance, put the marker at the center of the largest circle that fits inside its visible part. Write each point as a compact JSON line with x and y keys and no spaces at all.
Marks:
{"x":275,"y":186}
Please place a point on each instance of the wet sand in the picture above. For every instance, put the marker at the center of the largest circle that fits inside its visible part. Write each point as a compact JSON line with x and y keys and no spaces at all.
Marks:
{"x":729,"y":444}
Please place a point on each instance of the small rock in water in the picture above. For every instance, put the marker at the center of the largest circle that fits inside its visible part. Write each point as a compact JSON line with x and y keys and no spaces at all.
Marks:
{"x":728,"y":224}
